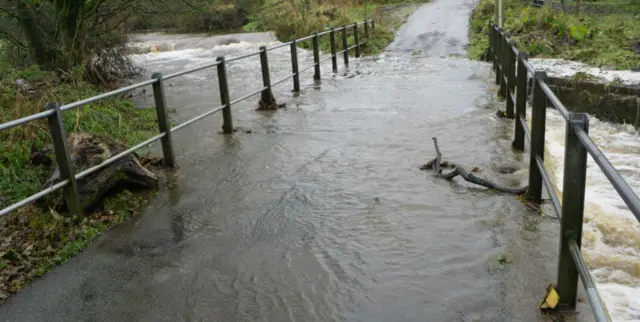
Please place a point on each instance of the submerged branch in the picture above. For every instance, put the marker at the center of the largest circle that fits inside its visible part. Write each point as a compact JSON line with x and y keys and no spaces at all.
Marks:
{"x":437,"y":164}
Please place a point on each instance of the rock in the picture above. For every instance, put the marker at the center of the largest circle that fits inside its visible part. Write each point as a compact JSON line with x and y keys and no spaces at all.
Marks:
{"x":88,"y":150}
{"x":228,"y":41}
{"x":23,"y":86}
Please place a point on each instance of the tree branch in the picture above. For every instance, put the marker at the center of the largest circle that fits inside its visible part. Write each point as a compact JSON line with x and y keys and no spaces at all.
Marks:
{"x":437,"y":165}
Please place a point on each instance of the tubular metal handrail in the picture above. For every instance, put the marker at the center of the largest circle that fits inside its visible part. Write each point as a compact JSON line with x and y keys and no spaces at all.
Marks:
{"x":58,"y":134}
{"x":107,"y":95}
{"x":578,"y":145}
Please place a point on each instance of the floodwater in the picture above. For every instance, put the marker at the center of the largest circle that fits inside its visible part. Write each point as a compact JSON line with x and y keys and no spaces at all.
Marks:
{"x":320,"y":213}
{"x":611,"y":234}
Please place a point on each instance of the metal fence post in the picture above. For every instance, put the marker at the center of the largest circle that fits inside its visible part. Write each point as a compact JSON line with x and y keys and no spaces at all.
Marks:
{"x":511,"y":78}
{"x":294,"y":66}
{"x":573,"y":191}
{"x":266,"y":96}
{"x":65,"y":165}
{"x":355,"y":38}
{"x":316,"y":57}
{"x":345,"y":45}
{"x":169,"y":159}
{"x":538,"y":123}
{"x":366,"y":29}
{"x":227,"y":125}
{"x":521,"y":101}
{"x":334,"y":59}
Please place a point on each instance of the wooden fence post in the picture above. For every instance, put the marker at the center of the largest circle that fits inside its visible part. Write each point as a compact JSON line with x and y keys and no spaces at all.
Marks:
{"x":538,"y":123}
{"x":366,"y":29}
{"x":511,"y":78}
{"x":521,"y":102}
{"x":491,"y":49}
{"x":316,"y":57}
{"x":503,"y":64}
{"x":163,"y":121}
{"x":496,"y":53}
{"x":294,"y":66}
{"x":227,"y":125}
{"x":334,"y":59}
{"x":266,"y":97}
{"x":65,"y":165}
{"x":355,"y":38}
{"x":345,"y":44}
{"x":573,"y":192}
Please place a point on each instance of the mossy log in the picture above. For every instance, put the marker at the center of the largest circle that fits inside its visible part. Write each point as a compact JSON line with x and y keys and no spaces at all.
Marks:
{"x":88,"y":150}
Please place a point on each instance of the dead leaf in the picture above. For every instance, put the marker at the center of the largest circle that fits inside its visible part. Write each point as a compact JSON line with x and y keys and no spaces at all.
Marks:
{"x":551,"y":298}
{"x":55,"y":214}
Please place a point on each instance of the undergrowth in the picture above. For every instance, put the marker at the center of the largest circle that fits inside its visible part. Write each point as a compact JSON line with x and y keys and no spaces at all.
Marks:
{"x":610,"y":41}
{"x":292,"y":20}
{"x":34,"y":239}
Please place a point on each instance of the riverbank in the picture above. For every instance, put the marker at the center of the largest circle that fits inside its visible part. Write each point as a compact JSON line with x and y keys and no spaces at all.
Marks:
{"x":609,"y":41}
{"x":289,"y":22}
{"x":37,"y":238}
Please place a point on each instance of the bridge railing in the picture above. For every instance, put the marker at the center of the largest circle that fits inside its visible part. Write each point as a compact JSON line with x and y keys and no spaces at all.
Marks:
{"x":512,"y":74}
{"x":53,"y":111}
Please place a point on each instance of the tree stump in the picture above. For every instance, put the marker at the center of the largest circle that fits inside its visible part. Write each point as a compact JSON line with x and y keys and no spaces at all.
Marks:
{"x":88,"y":150}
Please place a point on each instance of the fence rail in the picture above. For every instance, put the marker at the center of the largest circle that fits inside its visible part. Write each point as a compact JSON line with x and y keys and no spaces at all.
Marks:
{"x":53,"y":111}
{"x":513,"y":71}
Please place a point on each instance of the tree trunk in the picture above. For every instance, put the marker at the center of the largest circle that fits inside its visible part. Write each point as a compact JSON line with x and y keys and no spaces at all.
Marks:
{"x":32,"y":33}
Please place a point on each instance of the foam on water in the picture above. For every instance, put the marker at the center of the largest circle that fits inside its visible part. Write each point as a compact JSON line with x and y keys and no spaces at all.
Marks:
{"x":564,"y":68}
{"x":201,"y":55}
{"x":611,"y":234}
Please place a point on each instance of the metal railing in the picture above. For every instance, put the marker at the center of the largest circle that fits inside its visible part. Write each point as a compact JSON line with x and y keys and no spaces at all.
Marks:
{"x":512,"y":73}
{"x":53,"y":111}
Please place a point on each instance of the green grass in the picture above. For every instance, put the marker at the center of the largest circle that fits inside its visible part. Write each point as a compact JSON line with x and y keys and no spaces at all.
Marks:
{"x":290,"y":22}
{"x":33,"y":240}
{"x":595,"y":39}
{"x":116,"y":117}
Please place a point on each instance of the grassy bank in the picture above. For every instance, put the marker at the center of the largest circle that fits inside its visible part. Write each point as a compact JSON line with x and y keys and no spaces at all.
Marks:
{"x":290,"y":21}
{"x":35,"y":239}
{"x":610,"y":40}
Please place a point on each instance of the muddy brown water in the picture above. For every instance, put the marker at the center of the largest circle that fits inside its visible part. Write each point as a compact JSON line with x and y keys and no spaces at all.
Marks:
{"x":321,"y":213}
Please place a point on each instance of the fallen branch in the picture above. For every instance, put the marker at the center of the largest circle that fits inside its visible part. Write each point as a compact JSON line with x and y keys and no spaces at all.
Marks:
{"x":437,"y":164}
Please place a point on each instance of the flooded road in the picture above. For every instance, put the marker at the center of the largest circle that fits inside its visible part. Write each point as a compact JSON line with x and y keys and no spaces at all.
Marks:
{"x":321,"y":213}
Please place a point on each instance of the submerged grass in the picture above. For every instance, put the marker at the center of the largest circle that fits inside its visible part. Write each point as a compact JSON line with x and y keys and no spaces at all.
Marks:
{"x":608,"y":41}
{"x":33,"y":240}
